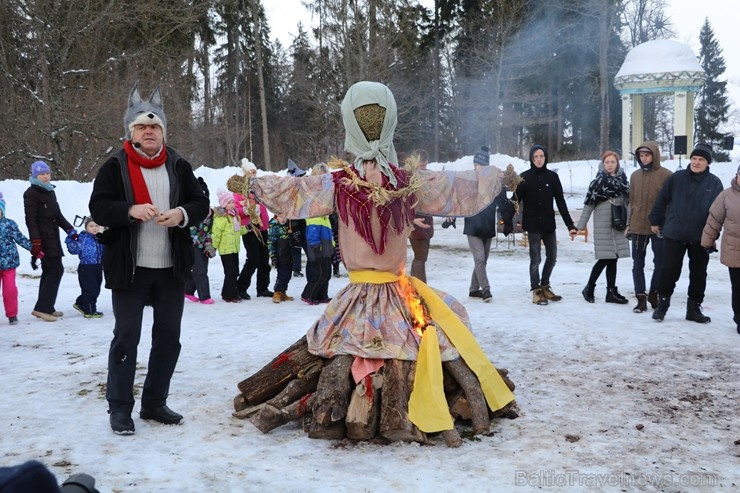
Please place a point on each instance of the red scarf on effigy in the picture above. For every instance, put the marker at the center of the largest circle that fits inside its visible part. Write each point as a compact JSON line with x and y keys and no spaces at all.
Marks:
{"x":355,"y":202}
{"x":135,"y":163}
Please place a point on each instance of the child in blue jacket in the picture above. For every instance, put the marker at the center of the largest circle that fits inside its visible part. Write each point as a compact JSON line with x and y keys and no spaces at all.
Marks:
{"x":10,"y":236}
{"x":90,"y":271}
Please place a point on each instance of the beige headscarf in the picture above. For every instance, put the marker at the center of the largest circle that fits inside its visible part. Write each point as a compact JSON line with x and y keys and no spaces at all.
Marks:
{"x":382,"y":151}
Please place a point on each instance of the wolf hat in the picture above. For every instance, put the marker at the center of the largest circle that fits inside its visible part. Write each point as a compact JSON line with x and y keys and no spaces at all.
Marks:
{"x":140,"y":112}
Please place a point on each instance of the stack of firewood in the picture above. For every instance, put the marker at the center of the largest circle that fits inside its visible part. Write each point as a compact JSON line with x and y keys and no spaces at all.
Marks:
{"x":299,"y":385}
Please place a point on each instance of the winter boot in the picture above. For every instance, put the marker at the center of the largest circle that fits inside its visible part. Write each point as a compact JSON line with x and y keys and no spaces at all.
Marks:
{"x":653,"y":298}
{"x":663,"y":304}
{"x":588,"y":293}
{"x":693,"y":312}
{"x":613,"y":296}
{"x":538,"y":297}
{"x":641,"y":303}
{"x":277,"y":297}
{"x":549,"y":295}
{"x":284,"y":296}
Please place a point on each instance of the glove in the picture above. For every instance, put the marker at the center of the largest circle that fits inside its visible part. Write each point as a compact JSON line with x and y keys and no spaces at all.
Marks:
{"x":296,"y":237}
{"x":449,"y":222}
{"x":710,"y":250}
{"x":210,"y":251}
{"x":34,"y":265}
{"x":36,"y":248}
{"x":72,"y":233}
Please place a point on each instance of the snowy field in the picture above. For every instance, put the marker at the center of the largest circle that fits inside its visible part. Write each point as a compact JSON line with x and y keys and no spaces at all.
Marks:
{"x":609,"y":400}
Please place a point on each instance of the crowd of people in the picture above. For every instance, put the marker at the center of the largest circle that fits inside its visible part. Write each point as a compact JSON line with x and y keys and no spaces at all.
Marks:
{"x":160,"y":233}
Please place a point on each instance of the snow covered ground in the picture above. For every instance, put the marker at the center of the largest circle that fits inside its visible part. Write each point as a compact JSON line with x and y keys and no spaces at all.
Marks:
{"x":609,"y":400}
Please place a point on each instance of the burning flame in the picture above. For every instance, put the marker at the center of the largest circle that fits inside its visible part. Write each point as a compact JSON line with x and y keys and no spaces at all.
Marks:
{"x":419,"y":318}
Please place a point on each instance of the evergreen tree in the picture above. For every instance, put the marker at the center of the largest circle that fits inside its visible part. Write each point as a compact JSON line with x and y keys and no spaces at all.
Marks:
{"x":711,"y":112}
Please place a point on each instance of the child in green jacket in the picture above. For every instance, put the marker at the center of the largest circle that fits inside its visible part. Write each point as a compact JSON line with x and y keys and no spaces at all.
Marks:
{"x":226,"y":238}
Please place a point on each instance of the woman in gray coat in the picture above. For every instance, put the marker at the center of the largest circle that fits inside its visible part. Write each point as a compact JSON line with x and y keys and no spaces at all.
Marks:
{"x":609,"y":187}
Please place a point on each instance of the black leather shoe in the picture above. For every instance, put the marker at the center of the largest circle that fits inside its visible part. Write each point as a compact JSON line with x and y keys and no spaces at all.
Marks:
{"x":121,"y":423}
{"x":243,"y":295}
{"x":265,"y":294}
{"x":475,"y":294}
{"x":162,"y":414}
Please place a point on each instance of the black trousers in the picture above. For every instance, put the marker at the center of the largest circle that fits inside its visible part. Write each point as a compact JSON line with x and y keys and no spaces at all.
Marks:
{"x":258,"y":259}
{"x":230,"y":261}
{"x":317,"y":285}
{"x":284,"y":274}
{"x":51,"y":275}
{"x":90,"y":277}
{"x":199,"y":280}
{"x":735,"y":282}
{"x":673,"y":252}
{"x":166,"y":295}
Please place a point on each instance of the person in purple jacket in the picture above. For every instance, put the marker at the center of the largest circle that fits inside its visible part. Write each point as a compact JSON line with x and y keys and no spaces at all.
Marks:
{"x":90,"y":271}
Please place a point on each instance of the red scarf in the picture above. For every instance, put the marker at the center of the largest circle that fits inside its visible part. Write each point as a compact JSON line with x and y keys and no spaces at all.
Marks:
{"x":355,"y":203}
{"x":135,"y":162}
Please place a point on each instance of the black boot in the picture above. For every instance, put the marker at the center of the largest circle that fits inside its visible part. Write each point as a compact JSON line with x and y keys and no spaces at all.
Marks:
{"x":693,"y":312}
{"x":653,"y":298}
{"x":588,"y":293}
{"x":641,"y":303}
{"x":663,"y":303}
{"x":613,"y":296}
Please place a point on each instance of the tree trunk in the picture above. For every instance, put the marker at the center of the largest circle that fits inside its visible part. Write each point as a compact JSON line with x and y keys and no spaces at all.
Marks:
{"x":261,"y":81}
{"x":394,"y":406}
{"x":332,"y":399}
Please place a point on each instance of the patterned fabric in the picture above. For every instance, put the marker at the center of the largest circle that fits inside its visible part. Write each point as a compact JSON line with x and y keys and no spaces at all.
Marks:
{"x":279,"y":243}
{"x":606,"y":186}
{"x":10,"y":235}
{"x":202,"y":232}
{"x":87,"y":247}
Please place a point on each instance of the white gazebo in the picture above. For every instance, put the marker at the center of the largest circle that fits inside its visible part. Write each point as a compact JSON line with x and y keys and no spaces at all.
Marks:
{"x":658,"y":67}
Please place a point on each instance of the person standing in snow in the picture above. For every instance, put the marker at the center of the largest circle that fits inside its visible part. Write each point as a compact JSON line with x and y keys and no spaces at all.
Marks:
{"x":536,"y":192}
{"x":607,"y":189}
{"x":147,"y":197}
{"x":10,"y":236}
{"x":44,"y":218}
{"x":203,"y":251}
{"x":725,"y":212}
{"x":680,"y":213}
{"x":644,"y":187}
{"x":90,"y":271}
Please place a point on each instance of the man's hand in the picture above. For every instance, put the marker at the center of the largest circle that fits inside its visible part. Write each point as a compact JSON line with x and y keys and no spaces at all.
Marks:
{"x":170,"y":218}
{"x":655,"y":230}
{"x":143,"y":212}
{"x":419,"y":223}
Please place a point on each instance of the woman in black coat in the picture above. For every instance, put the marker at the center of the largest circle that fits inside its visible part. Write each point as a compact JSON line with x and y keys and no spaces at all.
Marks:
{"x":44,"y":219}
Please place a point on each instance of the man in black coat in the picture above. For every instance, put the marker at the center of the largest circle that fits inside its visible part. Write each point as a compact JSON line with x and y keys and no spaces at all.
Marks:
{"x":537,"y":191}
{"x":679,"y":214}
{"x":147,"y":197}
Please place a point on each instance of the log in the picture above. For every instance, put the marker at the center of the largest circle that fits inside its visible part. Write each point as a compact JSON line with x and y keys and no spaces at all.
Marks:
{"x":452,"y":438}
{"x":270,"y":417}
{"x":363,"y":412}
{"x":473,"y":393}
{"x":460,"y":407}
{"x":304,"y":384}
{"x":394,"y":403}
{"x":273,"y":377}
{"x":505,"y":376}
{"x":332,"y":399}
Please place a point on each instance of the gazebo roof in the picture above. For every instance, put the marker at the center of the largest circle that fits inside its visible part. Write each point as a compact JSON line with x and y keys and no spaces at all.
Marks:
{"x":661,"y":65}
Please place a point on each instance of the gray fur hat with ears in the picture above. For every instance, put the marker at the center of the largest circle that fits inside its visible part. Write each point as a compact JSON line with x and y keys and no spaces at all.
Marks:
{"x":140,"y":112}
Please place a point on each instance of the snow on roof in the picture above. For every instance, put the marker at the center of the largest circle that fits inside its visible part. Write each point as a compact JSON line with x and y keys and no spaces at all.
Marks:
{"x":659,"y":56}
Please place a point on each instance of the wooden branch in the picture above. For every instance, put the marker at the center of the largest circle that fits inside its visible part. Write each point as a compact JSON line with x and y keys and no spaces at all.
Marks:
{"x":271,"y":417}
{"x":332,"y":399}
{"x":364,"y":412}
{"x":394,"y":404}
{"x":473,"y":392}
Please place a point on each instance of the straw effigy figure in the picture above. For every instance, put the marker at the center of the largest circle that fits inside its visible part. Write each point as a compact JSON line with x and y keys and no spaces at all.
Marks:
{"x":390,"y":357}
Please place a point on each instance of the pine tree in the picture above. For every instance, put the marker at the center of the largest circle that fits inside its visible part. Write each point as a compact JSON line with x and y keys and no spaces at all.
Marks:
{"x":711,"y":112}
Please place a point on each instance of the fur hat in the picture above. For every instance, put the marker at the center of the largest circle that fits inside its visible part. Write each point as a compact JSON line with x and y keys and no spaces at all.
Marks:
{"x":140,"y":112}
{"x":703,"y":150}
{"x":248,"y":166}
{"x":39,"y":168}
{"x":224,"y":198}
{"x":482,"y":157}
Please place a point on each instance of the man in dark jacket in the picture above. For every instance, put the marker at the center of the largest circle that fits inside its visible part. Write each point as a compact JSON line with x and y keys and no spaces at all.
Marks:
{"x":680,"y":213}
{"x":147,"y":197}
{"x":539,"y":187}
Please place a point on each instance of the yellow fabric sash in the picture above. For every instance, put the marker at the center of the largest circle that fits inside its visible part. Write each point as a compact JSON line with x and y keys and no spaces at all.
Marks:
{"x":428,"y":408}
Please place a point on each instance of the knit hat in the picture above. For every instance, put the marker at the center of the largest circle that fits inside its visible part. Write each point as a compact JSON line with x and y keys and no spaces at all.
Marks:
{"x":703,"y":150}
{"x":39,"y":168}
{"x":142,"y":112}
{"x":482,"y":157}
{"x":294,"y":170}
{"x":248,"y":166}
{"x":2,"y":204}
{"x":224,"y":198}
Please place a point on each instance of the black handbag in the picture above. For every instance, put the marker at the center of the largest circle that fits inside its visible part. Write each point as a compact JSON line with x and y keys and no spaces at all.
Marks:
{"x":619,"y":217}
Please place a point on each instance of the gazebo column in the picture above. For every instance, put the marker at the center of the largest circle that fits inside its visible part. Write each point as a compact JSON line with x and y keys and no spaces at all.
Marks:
{"x":638,"y":129}
{"x":626,"y":126}
{"x":681,"y":119}
{"x":690,"y":120}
